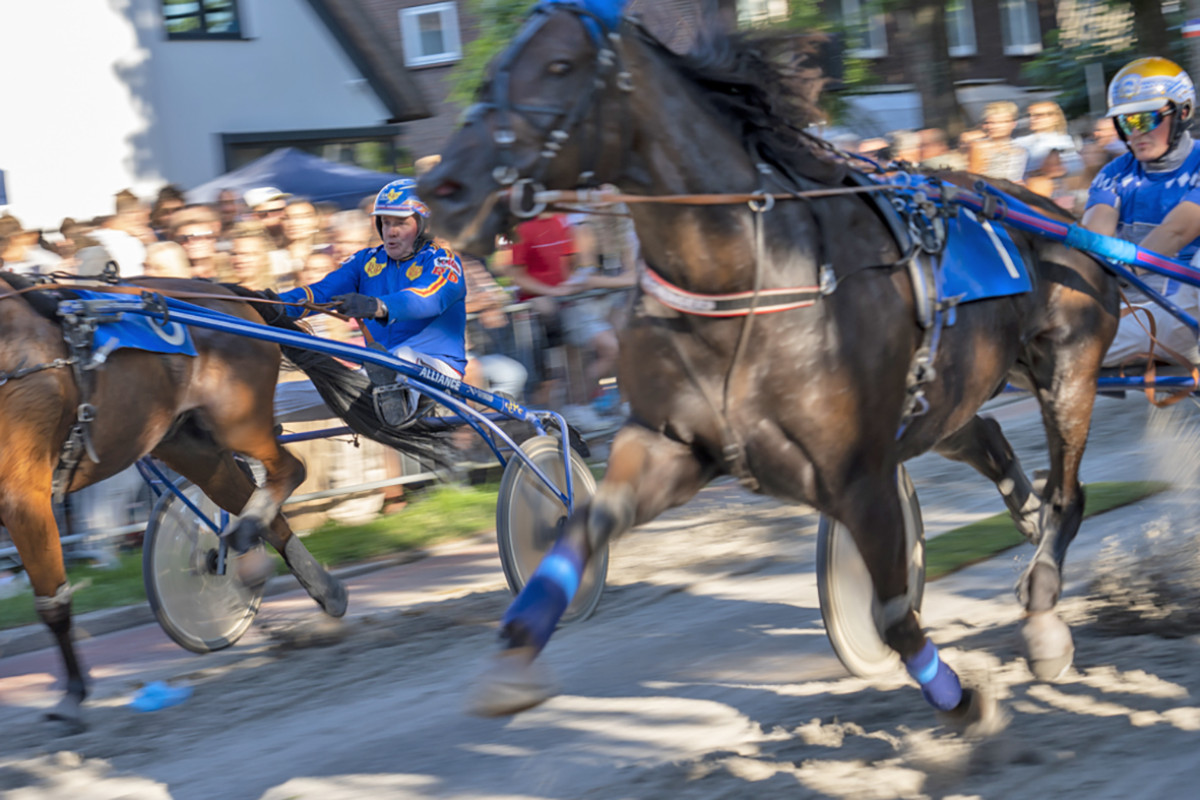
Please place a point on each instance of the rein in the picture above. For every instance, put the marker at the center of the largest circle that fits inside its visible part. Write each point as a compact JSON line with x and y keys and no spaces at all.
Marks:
{"x":322,"y":308}
{"x":546,"y":198}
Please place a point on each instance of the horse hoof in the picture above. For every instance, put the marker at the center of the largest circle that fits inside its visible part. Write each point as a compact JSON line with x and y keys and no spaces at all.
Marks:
{"x":514,"y":682}
{"x":977,"y":714}
{"x":245,"y":536}
{"x":254,"y":568}
{"x":1049,"y":649}
{"x":336,"y":599}
{"x":69,"y":712}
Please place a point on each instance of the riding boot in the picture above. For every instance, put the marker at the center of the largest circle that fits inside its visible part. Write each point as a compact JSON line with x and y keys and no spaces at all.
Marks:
{"x":394,"y":404}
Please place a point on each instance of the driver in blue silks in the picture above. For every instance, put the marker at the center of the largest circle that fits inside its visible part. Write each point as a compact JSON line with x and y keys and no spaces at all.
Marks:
{"x":409,"y":290}
{"x":1151,"y":196}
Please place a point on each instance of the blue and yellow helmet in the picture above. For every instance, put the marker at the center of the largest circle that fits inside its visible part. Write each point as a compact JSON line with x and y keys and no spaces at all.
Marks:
{"x":399,"y":199}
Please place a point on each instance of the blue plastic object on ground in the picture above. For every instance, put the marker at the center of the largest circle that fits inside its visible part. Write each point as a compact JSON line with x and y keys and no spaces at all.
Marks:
{"x":157,"y":695}
{"x":607,"y":401}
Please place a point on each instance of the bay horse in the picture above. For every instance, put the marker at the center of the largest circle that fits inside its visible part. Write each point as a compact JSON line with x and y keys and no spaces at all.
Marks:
{"x":807,"y":404}
{"x":192,"y":412}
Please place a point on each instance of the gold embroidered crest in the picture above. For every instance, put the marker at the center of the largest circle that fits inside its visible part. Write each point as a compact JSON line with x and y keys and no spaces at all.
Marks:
{"x":374,"y":267}
{"x":414,"y":271}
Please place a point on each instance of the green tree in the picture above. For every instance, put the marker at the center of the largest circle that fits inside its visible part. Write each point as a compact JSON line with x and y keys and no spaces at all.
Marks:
{"x":498,"y":22}
{"x":1063,"y":67}
{"x":1150,"y":26}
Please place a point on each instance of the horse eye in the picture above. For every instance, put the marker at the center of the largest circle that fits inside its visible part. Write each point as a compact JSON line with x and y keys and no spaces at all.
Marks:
{"x":559,"y":68}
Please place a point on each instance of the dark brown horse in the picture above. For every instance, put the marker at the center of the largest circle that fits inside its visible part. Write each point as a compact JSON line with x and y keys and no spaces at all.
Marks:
{"x":805,"y":404}
{"x":194,"y":413}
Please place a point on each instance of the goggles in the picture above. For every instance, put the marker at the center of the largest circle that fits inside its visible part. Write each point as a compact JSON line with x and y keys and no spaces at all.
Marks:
{"x":1141,"y":121}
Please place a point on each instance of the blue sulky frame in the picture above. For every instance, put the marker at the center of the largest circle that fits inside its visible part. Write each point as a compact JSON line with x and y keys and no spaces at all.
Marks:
{"x":449,"y":392}
{"x":1115,"y":255}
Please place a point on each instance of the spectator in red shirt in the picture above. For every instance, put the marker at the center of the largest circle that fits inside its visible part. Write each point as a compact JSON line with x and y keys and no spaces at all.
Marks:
{"x":544,"y":261}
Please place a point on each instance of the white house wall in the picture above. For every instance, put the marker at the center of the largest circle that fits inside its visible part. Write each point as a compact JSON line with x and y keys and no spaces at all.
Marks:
{"x":97,"y":99}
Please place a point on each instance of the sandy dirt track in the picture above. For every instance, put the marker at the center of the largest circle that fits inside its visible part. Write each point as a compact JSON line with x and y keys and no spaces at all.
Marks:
{"x":705,"y":674}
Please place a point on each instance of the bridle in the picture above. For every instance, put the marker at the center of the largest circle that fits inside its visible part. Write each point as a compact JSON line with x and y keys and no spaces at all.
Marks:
{"x":563,"y":120}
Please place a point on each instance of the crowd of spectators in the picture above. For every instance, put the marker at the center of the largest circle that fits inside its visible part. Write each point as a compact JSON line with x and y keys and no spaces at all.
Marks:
{"x":268,"y":239}
{"x":552,"y":342}
{"x":1035,"y":149}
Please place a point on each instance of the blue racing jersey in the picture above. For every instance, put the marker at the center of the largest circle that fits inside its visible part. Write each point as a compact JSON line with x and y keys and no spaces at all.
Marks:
{"x":1143,"y":199}
{"x":425,"y":297}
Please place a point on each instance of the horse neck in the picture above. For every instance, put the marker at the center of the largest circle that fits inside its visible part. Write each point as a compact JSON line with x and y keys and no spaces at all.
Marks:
{"x":680,"y":146}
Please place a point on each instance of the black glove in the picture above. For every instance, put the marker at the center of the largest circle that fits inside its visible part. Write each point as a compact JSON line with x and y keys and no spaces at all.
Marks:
{"x":270,"y":312}
{"x":359,"y":306}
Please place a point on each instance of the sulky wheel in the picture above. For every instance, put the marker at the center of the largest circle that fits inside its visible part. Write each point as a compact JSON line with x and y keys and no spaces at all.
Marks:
{"x":529,"y":519}
{"x":846,"y":594}
{"x":201,"y":610}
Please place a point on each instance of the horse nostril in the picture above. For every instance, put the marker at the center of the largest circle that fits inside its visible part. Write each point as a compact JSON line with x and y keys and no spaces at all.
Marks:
{"x":447,"y":189}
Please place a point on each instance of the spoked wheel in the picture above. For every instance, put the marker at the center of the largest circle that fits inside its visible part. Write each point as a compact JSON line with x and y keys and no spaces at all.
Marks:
{"x":529,"y":519}
{"x":198,"y":608}
{"x":846,"y":593}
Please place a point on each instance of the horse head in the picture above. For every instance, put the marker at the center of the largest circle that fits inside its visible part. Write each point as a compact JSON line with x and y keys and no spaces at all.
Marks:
{"x":548,"y":116}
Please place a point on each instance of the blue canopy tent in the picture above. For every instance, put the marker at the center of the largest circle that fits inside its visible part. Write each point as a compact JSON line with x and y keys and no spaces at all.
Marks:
{"x":299,"y":173}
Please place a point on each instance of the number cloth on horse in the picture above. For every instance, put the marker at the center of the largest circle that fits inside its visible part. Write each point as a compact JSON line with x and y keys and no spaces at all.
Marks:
{"x":980,"y":261}
{"x":138,"y":332}
{"x":425,"y":296}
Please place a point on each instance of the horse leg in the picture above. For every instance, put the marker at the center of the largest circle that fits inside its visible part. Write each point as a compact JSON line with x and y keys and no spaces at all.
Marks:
{"x":25,"y":508}
{"x":1066,"y":412}
{"x":193,"y":453}
{"x":647,"y":474}
{"x":981,"y":444}
{"x":870,"y":508}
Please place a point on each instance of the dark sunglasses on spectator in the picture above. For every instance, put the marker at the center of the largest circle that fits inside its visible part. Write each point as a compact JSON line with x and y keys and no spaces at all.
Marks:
{"x":188,"y":237}
{"x":1141,"y":121}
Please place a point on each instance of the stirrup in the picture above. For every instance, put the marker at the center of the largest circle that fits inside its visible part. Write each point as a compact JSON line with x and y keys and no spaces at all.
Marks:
{"x":393,"y":404}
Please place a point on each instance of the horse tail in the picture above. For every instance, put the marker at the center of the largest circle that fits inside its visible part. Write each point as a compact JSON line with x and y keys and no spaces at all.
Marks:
{"x":347,"y":392}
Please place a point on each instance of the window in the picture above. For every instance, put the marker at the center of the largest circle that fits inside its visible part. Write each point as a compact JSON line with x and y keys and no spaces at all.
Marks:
{"x":960,"y":28}
{"x":430,"y":34}
{"x":202,"y":19}
{"x":761,"y":12}
{"x":1020,"y":27}
{"x":866,"y":28}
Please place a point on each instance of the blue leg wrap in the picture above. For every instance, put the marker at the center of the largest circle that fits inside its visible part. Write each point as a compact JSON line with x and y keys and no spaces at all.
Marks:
{"x":939,"y":683}
{"x":550,"y":590}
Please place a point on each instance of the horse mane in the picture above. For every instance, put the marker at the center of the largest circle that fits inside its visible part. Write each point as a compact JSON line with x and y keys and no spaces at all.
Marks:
{"x":347,"y":392}
{"x":766,"y":86}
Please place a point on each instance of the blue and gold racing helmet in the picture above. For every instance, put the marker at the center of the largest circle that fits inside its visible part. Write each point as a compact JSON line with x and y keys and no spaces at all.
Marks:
{"x":1148,"y":84}
{"x":1143,"y":88}
{"x":399,"y":199}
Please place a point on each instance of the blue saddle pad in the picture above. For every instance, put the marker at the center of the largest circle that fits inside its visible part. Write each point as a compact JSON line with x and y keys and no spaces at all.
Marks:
{"x":980,"y":260}
{"x":138,"y":332}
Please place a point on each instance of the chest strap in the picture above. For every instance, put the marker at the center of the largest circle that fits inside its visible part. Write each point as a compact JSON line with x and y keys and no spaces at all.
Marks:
{"x":734,"y":304}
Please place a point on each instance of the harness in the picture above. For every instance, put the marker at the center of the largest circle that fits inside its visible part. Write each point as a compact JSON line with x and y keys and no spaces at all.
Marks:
{"x":562,"y":120}
{"x":78,"y":331}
